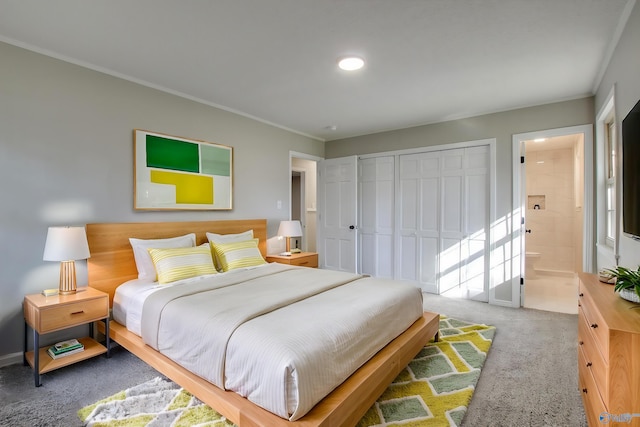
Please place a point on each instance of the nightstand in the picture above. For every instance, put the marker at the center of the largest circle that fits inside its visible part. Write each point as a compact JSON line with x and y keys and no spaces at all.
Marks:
{"x":304,"y":259}
{"x":48,"y":314}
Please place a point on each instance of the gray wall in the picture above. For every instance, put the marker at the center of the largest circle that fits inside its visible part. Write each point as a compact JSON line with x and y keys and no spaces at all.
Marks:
{"x":624,"y":73}
{"x":501,"y":126}
{"x":66,"y":157}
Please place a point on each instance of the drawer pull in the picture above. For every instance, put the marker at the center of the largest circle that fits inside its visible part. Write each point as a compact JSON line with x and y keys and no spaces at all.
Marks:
{"x":594,"y":325}
{"x":584,"y":390}
{"x":589,"y":364}
{"x":580,"y":294}
{"x":77,"y":312}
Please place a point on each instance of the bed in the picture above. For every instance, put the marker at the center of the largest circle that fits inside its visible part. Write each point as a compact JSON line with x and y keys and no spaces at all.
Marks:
{"x":112,"y":264}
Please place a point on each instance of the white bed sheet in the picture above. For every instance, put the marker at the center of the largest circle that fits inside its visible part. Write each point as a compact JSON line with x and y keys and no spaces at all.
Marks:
{"x":130,"y":299}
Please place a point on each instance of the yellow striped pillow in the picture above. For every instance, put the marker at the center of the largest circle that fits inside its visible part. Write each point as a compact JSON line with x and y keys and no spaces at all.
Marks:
{"x":182,"y":263}
{"x":238,"y":254}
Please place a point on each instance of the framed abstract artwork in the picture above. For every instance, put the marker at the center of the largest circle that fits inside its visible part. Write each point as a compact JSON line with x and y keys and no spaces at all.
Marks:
{"x":174,"y":173}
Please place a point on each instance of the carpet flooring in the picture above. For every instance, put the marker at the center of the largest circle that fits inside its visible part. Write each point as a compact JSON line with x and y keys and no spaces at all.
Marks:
{"x":433,"y":390}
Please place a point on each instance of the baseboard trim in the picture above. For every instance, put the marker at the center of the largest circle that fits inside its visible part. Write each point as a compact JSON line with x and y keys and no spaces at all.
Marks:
{"x":10,"y":359}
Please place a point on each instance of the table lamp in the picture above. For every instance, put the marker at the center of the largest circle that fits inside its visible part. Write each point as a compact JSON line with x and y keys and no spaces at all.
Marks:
{"x":66,"y":244}
{"x":289,"y":229}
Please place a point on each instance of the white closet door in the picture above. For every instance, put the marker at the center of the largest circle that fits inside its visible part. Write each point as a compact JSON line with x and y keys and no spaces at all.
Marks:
{"x":418,"y":237}
{"x":443,"y":220}
{"x":452,"y":213}
{"x":476,"y":248}
{"x":337,"y":216}
{"x":376,"y":225}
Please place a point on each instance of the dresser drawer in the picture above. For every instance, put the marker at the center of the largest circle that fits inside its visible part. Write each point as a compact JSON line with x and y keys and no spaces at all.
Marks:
{"x":595,"y":322}
{"x":594,"y":361}
{"x":593,"y":404}
{"x":76,"y":313}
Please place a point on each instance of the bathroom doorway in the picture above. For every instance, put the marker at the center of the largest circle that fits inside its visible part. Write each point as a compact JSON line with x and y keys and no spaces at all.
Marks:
{"x":553,"y":221}
{"x":552,"y":203}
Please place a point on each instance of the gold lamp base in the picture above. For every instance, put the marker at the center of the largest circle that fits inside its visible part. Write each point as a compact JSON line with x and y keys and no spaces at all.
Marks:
{"x":67,"y":278}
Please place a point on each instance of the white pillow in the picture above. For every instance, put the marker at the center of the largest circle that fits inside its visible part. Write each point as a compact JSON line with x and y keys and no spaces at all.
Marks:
{"x":230,"y":238}
{"x":227,"y":238}
{"x":146,"y":269}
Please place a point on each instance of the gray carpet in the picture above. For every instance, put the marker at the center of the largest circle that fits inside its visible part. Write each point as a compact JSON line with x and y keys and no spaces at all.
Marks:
{"x":529,"y":379}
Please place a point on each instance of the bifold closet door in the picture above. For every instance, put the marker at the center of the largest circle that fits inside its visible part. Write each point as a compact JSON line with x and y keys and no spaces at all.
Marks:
{"x":419,"y":221}
{"x":377,"y":206}
{"x":443,"y":221}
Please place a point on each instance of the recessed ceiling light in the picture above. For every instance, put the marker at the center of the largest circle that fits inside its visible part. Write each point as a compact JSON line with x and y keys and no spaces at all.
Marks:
{"x":351,"y":63}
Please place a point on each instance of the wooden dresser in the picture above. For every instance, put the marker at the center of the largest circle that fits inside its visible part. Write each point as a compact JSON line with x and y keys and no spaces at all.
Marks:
{"x":608,"y":354}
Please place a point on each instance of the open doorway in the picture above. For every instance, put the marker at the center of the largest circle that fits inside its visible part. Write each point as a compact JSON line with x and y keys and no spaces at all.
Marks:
{"x":553,"y":222}
{"x":554,"y":205}
{"x":303,"y":199}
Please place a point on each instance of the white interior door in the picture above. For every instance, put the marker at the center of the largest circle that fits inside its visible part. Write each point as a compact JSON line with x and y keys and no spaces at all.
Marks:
{"x":337,"y":215}
{"x":476,"y":250}
{"x":376,"y":225}
{"x":418,"y":237}
{"x":443,"y":221}
{"x":452,"y":216}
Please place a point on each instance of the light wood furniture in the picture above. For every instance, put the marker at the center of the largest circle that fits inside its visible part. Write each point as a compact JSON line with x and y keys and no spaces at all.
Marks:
{"x":304,"y":259}
{"x":48,"y":314}
{"x":608,"y":354}
{"x":111,"y":263}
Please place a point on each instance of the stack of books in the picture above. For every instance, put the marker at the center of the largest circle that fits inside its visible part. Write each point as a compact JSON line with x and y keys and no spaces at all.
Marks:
{"x":65,"y":348}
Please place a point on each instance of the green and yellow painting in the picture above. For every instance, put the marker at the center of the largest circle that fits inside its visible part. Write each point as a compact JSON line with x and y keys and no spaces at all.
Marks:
{"x":178,"y":173}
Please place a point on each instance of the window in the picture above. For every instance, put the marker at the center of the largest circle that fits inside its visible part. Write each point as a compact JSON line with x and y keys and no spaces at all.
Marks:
{"x":610,"y":178}
{"x":606,"y":163}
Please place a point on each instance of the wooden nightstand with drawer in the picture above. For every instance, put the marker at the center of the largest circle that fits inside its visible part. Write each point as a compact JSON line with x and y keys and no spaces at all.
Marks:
{"x":304,"y":259}
{"x":49,"y":314}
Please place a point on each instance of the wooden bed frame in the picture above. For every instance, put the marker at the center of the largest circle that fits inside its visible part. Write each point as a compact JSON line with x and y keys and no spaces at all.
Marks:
{"x":112,"y":263}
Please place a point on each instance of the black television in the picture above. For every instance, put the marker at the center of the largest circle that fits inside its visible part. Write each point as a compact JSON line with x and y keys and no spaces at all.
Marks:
{"x":631,"y":173}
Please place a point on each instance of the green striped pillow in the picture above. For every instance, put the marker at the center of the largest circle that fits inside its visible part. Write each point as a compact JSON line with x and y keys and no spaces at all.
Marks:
{"x":182,"y":263}
{"x":238,"y":254}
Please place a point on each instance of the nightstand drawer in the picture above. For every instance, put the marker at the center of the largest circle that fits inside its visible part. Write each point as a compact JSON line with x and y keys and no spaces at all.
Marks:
{"x":302,"y":259}
{"x":307,"y":261}
{"x":76,"y":313}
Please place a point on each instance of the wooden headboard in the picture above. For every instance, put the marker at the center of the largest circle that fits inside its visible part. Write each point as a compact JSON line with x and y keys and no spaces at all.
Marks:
{"x":111,"y":262}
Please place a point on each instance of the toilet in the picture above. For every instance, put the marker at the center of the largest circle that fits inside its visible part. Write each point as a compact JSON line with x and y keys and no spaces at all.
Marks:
{"x":530,"y":260}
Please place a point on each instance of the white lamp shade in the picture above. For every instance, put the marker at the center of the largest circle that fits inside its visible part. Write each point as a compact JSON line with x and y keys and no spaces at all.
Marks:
{"x":290,"y":229}
{"x":66,"y":244}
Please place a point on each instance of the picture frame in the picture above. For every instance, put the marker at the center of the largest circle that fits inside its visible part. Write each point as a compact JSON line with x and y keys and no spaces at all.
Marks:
{"x":176,"y":173}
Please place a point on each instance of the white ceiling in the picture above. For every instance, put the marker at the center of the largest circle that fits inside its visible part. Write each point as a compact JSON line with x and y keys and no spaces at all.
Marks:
{"x":275,"y":60}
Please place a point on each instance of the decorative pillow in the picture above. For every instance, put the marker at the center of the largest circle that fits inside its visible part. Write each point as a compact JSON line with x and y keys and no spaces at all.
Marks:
{"x":146,"y":270}
{"x":238,"y":254}
{"x":182,"y":263}
{"x":227,"y":238}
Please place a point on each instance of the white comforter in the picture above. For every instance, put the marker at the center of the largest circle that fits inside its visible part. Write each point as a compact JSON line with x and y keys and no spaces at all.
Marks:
{"x":282,"y":336}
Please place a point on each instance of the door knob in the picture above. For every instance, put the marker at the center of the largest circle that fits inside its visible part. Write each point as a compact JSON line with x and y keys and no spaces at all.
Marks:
{"x":352,"y":227}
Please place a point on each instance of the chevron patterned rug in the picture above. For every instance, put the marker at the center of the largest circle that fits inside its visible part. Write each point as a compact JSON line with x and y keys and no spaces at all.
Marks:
{"x":433,"y":390}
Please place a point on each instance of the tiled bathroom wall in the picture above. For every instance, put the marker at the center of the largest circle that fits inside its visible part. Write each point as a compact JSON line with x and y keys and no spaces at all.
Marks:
{"x":551,"y":208}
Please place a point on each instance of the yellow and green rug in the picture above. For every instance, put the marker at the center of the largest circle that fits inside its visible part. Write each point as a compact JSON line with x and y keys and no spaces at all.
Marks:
{"x":433,"y":390}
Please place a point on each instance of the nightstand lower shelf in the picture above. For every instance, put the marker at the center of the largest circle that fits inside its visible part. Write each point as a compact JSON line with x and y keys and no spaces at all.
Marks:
{"x":91,"y":348}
